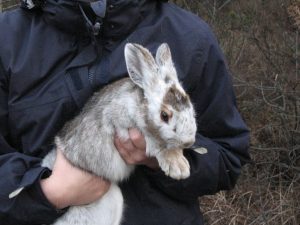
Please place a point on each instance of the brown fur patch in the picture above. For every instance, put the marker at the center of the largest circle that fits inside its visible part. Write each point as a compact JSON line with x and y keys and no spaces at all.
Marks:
{"x":166,"y":110}
{"x":154,"y":131}
{"x":176,"y":98}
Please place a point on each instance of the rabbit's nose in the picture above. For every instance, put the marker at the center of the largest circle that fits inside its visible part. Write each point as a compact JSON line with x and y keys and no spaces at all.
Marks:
{"x":188,"y":144}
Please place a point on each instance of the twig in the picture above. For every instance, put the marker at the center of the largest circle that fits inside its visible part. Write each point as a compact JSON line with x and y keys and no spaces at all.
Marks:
{"x":267,"y":102}
{"x":224,"y":4}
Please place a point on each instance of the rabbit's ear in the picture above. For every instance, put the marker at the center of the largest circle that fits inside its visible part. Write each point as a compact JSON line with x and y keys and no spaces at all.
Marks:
{"x":140,"y":64}
{"x":163,"y":55}
{"x":165,"y":63}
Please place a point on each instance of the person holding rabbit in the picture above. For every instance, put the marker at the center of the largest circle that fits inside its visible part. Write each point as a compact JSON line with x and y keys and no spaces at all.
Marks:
{"x":54,"y":54}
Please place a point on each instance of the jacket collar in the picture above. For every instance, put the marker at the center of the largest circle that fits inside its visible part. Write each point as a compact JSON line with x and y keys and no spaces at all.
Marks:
{"x":67,"y":16}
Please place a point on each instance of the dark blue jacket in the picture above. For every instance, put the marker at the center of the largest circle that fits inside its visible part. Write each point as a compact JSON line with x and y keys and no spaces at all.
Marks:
{"x":50,"y":63}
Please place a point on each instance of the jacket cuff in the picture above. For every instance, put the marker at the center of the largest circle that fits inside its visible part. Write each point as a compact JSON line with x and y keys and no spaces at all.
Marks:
{"x":176,"y":189}
{"x":38,"y":209}
{"x":37,"y":190}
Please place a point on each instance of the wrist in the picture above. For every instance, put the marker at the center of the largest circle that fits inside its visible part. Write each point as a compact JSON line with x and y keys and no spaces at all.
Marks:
{"x":152,"y":163}
{"x":52,"y":193}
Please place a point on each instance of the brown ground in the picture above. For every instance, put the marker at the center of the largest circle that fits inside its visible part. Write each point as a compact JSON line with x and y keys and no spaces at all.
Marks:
{"x":261,"y":41}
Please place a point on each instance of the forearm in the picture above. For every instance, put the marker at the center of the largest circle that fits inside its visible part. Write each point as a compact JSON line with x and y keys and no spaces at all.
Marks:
{"x":29,"y":206}
{"x":20,"y":172}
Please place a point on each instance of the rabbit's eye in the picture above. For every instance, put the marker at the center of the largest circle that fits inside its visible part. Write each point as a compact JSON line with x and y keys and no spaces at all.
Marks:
{"x":164,"y":116}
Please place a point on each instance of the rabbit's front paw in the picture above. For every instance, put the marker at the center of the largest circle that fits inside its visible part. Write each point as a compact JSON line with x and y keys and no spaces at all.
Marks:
{"x":174,"y":164}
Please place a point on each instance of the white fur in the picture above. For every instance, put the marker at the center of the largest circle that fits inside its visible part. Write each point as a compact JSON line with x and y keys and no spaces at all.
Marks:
{"x":88,"y":140}
{"x":105,"y":211}
{"x":29,"y":4}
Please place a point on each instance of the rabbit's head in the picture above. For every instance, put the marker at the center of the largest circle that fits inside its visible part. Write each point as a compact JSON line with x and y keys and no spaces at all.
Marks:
{"x":170,"y":114}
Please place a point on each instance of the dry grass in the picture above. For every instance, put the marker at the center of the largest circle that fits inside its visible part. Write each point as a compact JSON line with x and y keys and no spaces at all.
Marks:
{"x":294,"y":13}
{"x":260,"y":39}
{"x":8,"y":4}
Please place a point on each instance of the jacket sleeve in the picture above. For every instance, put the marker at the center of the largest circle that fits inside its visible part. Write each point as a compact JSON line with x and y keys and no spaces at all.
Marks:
{"x":221,"y":129}
{"x":19,"y":172}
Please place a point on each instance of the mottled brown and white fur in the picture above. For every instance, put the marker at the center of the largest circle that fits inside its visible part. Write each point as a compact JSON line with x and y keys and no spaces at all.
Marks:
{"x":151,"y":100}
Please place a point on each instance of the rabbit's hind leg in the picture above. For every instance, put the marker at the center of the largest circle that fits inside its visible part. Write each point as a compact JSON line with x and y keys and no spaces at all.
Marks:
{"x":109,"y":209}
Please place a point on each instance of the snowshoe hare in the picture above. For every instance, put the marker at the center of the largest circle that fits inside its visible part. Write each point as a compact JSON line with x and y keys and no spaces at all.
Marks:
{"x":151,"y":100}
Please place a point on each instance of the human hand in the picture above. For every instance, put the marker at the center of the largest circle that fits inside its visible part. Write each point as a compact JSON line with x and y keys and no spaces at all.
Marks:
{"x":70,"y":186}
{"x":133,"y":150}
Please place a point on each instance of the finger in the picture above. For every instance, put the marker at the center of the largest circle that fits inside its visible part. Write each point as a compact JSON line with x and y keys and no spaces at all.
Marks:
{"x":127,"y":145}
{"x":119,"y":146}
{"x":139,"y":158}
{"x":137,"y":139}
{"x":123,"y":152}
{"x":134,"y":157}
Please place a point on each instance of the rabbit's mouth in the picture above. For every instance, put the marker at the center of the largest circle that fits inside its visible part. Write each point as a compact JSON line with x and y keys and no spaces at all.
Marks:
{"x":176,"y":143}
{"x":188,"y":144}
{"x":173,"y":143}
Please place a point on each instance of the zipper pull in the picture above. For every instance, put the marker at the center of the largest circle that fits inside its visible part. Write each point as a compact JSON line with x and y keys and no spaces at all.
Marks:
{"x":97,"y":28}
